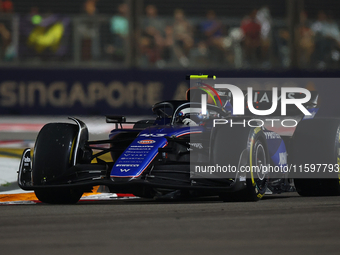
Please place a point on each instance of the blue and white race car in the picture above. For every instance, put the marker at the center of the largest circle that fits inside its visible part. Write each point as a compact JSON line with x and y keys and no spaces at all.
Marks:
{"x":182,"y":153}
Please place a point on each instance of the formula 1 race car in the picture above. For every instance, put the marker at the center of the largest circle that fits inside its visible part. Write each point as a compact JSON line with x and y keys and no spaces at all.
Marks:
{"x":159,"y":158}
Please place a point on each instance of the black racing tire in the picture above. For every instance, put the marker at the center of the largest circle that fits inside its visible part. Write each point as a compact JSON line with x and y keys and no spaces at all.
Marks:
{"x":317,"y":187}
{"x":52,"y":158}
{"x":58,"y":195}
{"x":316,"y":141}
{"x":227,"y":148}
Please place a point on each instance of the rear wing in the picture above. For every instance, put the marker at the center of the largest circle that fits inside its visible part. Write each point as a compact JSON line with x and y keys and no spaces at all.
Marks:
{"x":118,"y":120}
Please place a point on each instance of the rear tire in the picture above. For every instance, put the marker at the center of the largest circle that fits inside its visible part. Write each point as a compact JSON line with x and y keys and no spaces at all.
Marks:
{"x":316,"y":141}
{"x":317,"y":187}
{"x":53,"y":156}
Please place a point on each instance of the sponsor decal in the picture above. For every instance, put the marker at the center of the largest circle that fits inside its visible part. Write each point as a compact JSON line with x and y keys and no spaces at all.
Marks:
{"x":196,"y":145}
{"x":153,"y":135}
{"x":148,"y":141}
{"x":127,"y":165}
{"x":271,"y":135}
{"x":139,"y":146}
{"x":242,"y":178}
{"x":124,"y":170}
{"x":283,"y":158}
{"x":256,"y":130}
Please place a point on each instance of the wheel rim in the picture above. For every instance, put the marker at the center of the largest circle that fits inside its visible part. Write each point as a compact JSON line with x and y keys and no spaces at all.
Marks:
{"x":260,"y":161}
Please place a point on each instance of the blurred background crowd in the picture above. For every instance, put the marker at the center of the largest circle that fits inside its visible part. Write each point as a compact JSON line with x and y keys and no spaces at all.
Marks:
{"x":174,"y":34}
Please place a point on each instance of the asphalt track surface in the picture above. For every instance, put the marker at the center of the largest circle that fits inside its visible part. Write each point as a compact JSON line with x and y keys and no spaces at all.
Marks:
{"x":278,"y":224}
{"x":281,"y":224}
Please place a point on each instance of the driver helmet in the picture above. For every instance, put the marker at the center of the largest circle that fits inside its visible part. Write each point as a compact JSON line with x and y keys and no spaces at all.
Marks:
{"x":194,"y":113}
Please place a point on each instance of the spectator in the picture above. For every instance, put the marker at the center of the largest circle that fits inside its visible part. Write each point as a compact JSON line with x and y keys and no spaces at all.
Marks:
{"x":6,"y":49}
{"x":305,"y":40}
{"x":119,"y":22}
{"x":264,"y":18}
{"x":89,"y":31}
{"x":168,"y":44}
{"x":212,"y":30}
{"x":152,"y":21}
{"x":199,"y":54}
{"x":252,"y":38}
{"x":183,"y":37}
{"x":6,"y":6}
{"x":153,"y":38}
{"x":90,"y":7}
{"x":211,"y":27}
{"x":119,"y":27}
{"x":327,"y":39}
{"x":46,"y":36}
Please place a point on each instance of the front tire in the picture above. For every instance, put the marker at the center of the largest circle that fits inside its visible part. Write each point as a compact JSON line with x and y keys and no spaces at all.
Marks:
{"x":229,"y":143}
{"x":58,"y":195}
{"x":256,"y":183}
{"x":53,"y":156}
